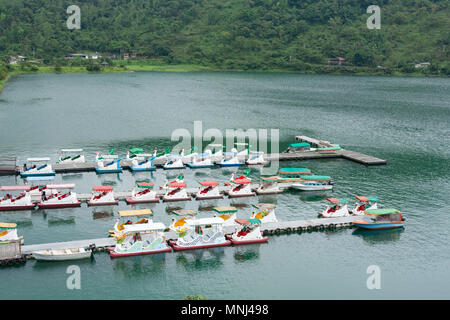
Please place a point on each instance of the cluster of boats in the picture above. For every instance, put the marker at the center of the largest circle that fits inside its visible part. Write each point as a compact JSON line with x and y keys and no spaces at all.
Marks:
{"x":303,"y":179}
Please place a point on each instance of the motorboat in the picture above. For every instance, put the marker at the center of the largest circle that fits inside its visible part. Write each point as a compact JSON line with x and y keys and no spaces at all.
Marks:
{"x":292,"y":174}
{"x":62,"y":254}
{"x":176,"y":192}
{"x":200,"y":233}
{"x":174,"y":161}
{"x":142,"y":193}
{"x":364,"y":203}
{"x":335,"y":208}
{"x":241,"y":187}
{"x":209,"y":190}
{"x":230,"y":159}
{"x":265,"y":213}
{"x":268,"y":185}
{"x":314,"y":183}
{"x":300,"y":147}
{"x":58,"y":199}
{"x":375,"y":219}
{"x":256,"y":158}
{"x":39,"y":167}
{"x":138,"y":238}
{"x":102,"y":196}
{"x":22,"y":201}
{"x":201,"y":160}
{"x":228,"y":214}
{"x":250,"y":232}
{"x":71,"y":156}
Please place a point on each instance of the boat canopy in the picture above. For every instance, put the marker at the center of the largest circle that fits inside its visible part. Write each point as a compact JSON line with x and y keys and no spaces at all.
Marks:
{"x":145,"y":185}
{"x":38,"y":159}
{"x":102,"y":188}
{"x":312,"y":177}
{"x":8,"y":225}
{"x":248,"y":221}
{"x":61,"y":186}
{"x":366,"y":199}
{"x":382,"y":211}
{"x":142,"y":227}
{"x":136,"y":150}
{"x":184,"y":212}
{"x":264,"y":206}
{"x":225,"y":209}
{"x":15,"y":188}
{"x":336,"y":200}
{"x":300,"y":145}
{"x":204,"y":221}
{"x":242,"y":180}
{"x":294,"y":171}
{"x":336,"y":147}
{"x":175,"y":184}
{"x":71,"y":150}
{"x":273,"y":179}
{"x":133,"y":213}
{"x":209,"y":183}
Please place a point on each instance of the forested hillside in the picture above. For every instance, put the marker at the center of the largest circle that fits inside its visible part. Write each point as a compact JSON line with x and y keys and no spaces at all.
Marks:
{"x":233,"y":34}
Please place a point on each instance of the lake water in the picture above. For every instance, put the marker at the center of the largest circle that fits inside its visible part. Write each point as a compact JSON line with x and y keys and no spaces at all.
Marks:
{"x":403,"y":120}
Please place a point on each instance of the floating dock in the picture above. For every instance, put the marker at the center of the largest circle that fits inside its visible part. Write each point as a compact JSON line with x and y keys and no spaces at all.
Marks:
{"x":11,"y":253}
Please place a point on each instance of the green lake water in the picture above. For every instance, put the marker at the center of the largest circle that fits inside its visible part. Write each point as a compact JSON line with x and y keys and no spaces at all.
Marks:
{"x":403,"y":120}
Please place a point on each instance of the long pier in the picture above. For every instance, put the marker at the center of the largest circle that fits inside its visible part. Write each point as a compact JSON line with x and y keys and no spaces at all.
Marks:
{"x":271,"y":228}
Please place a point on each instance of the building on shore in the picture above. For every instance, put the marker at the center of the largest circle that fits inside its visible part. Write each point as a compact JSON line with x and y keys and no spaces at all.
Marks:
{"x":338,"y":60}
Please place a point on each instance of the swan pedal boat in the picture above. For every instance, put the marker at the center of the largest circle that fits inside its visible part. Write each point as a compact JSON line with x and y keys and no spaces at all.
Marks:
{"x":202,"y":160}
{"x":109,"y":167}
{"x":210,"y":190}
{"x":43,"y":168}
{"x":230,"y":159}
{"x":314,"y":183}
{"x":58,"y":200}
{"x":8,"y":232}
{"x":228,"y":214}
{"x":102,"y":196}
{"x":364,"y":203}
{"x":21,"y":202}
{"x":336,"y":208}
{"x":146,"y":195}
{"x":376,"y":219}
{"x":174,"y":161}
{"x":250,"y":232}
{"x":176,"y":192}
{"x":256,"y":159}
{"x":62,"y":254}
{"x":266,"y":213}
{"x":241,"y":187}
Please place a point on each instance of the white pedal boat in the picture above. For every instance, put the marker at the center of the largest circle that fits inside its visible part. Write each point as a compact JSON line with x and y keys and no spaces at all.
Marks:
{"x":142,"y":193}
{"x":336,"y":208}
{"x":8,"y":232}
{"x":256,"y":158}
{"x":210,"y":190}
{"x":230,"y":159}
{"x":102,"y":196}
{"x":241,"y":187}
{"x":364,"y":203}
{"x":71,"y":156}
{"x":188,"y":157}
{"x":314,"y":183}
{"x":201,"y":160}
{"x":62,"y":254}
{"x":59,"y":200}
{"x":266,"y":213}
{"x":228,"y":214}
{"x":216,"y":152}
{"x":176,"y":192}
{"x":41,"y":167}
{"x":268,"y":185}
{"x":143,"y":163}
{"x":195,"y":235}
{"x":112,"y":166}
{"x":22,"y":201}
{"x":138,"y":238}
{"x":135,"y":154}
{"x":174,"y":161}
{"x":250,"y":232}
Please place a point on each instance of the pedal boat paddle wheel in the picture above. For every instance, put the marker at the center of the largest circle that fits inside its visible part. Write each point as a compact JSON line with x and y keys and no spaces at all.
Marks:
{"x":266,"y":212}
{"x":58,"y":199}
{"x":40,"y":167}
{"x":142,"y":193}
{"x":209,"y":190}
{"x":176,"y":192}
{"x":364,"y":203}
{"x":268,"y":185}
{"x":102,"y":196}
{"x":376,"y":219}
{"x":336,"y":208}
{"x":250,"y":232}
{"x":139,"y":238}
{"x":241,"y":187}
{"x":10,"y":202}
{"x":200,"y":233}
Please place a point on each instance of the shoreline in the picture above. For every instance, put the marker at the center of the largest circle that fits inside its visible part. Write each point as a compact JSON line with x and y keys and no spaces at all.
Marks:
{"x":198,"y":68}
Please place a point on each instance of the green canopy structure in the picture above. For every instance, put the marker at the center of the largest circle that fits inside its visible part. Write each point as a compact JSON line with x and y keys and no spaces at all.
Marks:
{"x":382,"y":211}
{"x":136,"y":150}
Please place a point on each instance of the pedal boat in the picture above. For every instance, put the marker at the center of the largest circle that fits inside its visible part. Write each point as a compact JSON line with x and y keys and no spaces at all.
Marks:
{"x":112,"y":166}
{"x":21,"y":202}
{"x":230,"y":159}
{"x":227,"y":214}
{"x":300,"y":147}
{"x":139,"y":238}
{"x":58,"y":200}
{"x":268,"y":185}
{"x":250,"y":232}
{"x":135,"y":154}
{"x":245,"y":152}
{"x":142,"y":193}
{"x":127,"y":217}
{"x":257,"y":158}
{"x":201,"y":160}
{"x":62,"y":254}
{"x":36,"y":192}
{"x":314,"y":183}
{"x":143,"y":163}
{"x":266,"y":212}
{"x":292,"y":174}
{"x":200,"y":233}
{"x":174,"y":161}
{"x":216,"y":156}
{"x":42,"y":168}
{"x":376,"y":219}
{"x":189,"y":156}
{"x":8,"y":232}
{"x":209,"y":190}
{"x":336,"y":208}
{"x":176,"y":192}
{"x":241,"y":187}
{"x":71,"y":156}
{"x":102,"y":196}
{"x":363,"y":204}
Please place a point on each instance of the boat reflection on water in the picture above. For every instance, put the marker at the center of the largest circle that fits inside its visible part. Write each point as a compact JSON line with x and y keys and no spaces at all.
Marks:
{"x":56,"y":217}
{"x":149,"y":265}
{"x":247,"y":252}
{"x":379,"y":236}
{"x":109,"y":179}
{"x":202,"y":172}
{"x":267,"y":198}
{"x":201,"y":259}
{"x":42,"y":265}
{"x":143,"y":176}
{"x":103,"y":212}
{"x":71,"y":176}
{"x":312,"y":196}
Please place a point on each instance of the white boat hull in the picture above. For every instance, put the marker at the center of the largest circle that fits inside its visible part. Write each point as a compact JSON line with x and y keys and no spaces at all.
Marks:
{"x":60,"y":255}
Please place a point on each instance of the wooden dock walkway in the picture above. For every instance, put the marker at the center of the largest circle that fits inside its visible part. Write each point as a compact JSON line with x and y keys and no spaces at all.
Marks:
{"x":271,"y":228}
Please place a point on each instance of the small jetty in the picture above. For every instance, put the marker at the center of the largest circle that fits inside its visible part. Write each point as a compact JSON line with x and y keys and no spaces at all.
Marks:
{"x":11,"y":253}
